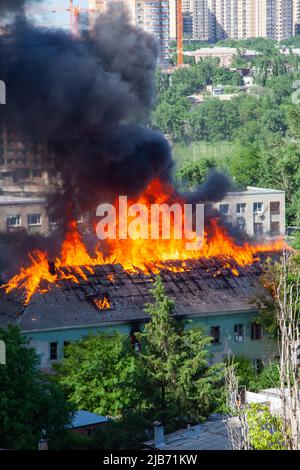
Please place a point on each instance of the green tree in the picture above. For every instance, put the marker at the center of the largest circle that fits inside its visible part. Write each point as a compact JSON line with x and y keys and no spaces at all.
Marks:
{"x":99,"y":374}
{"x":176,"y":363}
{"x":29,"y":401}
{"x":264,"y":429}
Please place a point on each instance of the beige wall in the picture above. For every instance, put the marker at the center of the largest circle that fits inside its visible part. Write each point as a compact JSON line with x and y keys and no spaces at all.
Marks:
{"x":24,"y":210}
{"x":266,"y":218}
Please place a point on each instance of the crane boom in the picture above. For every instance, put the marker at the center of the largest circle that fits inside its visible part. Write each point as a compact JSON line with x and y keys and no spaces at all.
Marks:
{"x":179,"y":20}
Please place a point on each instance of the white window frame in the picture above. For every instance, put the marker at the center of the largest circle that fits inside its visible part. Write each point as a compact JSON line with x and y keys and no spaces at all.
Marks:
{"x":11,"y":216}
{"x":258,"y":211}
{"x":241,"y":205}
{"x":30,"y":224}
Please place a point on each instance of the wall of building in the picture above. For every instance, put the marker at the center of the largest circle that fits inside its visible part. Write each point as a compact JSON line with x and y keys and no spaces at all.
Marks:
{"x":270,"y":220}
{"x":24,"y":212}
{"x":263,"y":349}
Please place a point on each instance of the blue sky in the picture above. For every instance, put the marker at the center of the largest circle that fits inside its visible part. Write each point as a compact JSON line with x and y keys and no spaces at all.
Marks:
{"x":44,"y":11}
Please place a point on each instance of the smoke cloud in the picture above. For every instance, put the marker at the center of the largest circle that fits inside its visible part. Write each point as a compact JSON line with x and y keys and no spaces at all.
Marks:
{"x":9,"y":6}
{"x":84,"y":99}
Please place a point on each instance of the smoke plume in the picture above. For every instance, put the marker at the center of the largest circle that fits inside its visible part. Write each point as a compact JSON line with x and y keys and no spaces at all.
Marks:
{"x":16,"y":6}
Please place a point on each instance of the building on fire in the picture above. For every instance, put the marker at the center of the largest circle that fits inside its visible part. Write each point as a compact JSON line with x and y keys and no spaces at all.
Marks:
{"x":219,"y":297}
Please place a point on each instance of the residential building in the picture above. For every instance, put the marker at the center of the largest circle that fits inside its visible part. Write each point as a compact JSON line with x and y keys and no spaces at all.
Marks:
{"x":225,"y":55}
{"x":207,"y":294}
{"x":151,"y":15}
{"x":22,"y":167}
{"x":214,"y":20}
{"x":296,"y":16}
{"x":23,"y":213}
{"x":258,"y":212}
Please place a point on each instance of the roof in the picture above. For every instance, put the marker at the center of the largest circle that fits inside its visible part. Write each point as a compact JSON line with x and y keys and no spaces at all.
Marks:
{"x":84,"y":418}
{"x":11,"y":200}
{"x":254,"y":190}
{"x":212,"y":435}
{"x":204,"y":287}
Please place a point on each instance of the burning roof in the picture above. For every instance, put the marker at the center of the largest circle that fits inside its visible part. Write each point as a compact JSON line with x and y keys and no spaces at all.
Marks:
{"x":199,"y":287}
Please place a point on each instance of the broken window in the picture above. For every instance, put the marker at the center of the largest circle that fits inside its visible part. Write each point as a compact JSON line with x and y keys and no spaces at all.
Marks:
{"x":53,"y":351}
{"x":215,"y":333}
{"x":224,"y":209}
{"x":258,"y":207}
{"x":275,"y":228}
{"x":258,"y":228}
{"x":256,"y":331}
{"x":275,"y":207}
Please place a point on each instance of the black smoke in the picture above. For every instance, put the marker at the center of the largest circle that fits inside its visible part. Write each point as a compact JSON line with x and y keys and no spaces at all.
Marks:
{"x":14,"y":6}
{"x":84,"y":98}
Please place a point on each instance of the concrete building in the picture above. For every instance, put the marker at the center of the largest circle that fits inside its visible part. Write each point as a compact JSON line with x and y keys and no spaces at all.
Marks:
{"x":214,"y":20}
{"x":207,"y":294}
{"x":23,"y":213}
{"x":296,"y":16}
{"x":225,"y":55}
{"x":258,"y":212}
{"x":151,"y":15}
{"x":22,"y":167}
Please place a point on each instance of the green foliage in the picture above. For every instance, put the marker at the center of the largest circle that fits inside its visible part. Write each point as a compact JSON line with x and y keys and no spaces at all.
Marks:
{"x":176,"y":363}
{"x":99,"y":374}
{"x":29,"y":402}
{"x":264,"y":429}
{"x":267,"y":378}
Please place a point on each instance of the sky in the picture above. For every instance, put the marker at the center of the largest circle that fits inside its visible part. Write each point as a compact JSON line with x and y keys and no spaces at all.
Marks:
{"x":44,"y":12}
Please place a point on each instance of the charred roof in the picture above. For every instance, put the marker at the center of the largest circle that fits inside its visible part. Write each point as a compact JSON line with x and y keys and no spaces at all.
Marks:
{"x":198,"y":288}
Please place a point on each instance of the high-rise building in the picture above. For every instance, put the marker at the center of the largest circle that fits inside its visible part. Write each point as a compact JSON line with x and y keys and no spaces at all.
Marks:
{"x":239,"y":19}
{"x":296,"y":16}
{"x":151,"y":15}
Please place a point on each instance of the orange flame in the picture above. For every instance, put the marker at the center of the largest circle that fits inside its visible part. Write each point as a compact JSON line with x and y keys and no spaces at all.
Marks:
{"x":149,"y":256}
{"x":102,"y":303}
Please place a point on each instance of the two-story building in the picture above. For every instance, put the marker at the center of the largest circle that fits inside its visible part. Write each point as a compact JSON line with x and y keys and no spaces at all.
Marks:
{"x":259,"y":212}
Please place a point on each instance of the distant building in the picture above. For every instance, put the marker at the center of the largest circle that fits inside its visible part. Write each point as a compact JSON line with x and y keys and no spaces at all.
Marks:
{"x":214,"y":20}
{"x":296,"y":16}
{"x":258,"y":212}
{"x":224,"y":54}
{"x":23,"y":213}
{"x":85,"y":423}
{"x":151,"y":15}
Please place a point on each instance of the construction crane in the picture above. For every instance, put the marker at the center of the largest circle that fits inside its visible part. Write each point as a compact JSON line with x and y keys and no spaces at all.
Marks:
{"x":179,"y":24}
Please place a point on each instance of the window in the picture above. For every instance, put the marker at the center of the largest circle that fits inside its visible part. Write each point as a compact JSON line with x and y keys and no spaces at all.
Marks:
{"x":241,"y":208}
{"x":241,"y":223}
{"x":275,"y":228}
{"x":215,"y":334}
{"x":34,"y":219}
{"x":53,"y":351}
{"x":258,"y":228}
{"x":14,"y":220}
{"x":239,"y":333}
{"x":258,"y":207}
{"x":257,"y":365}
{"x":224,"y":209}
{"x":256,"y":331}
{"x":275,"y":207}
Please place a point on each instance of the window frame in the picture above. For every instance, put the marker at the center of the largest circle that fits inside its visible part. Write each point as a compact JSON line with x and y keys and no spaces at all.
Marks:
{"x":30,"y":224}
{"x":216,"y":339}
{"x":239,"y":338}
{"x":53,"y":344}
{"x":255,"y":327}
{"x":16,"y":216}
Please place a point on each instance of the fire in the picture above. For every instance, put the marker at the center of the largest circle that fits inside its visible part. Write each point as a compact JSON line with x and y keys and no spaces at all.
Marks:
{"x":148,"y":256}
{"x":102,"y":303}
